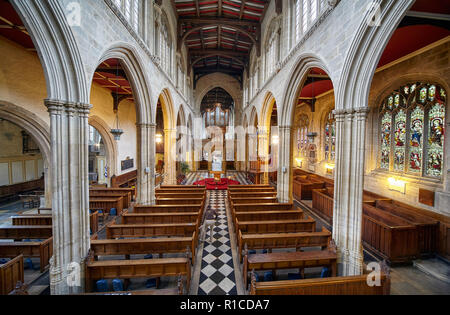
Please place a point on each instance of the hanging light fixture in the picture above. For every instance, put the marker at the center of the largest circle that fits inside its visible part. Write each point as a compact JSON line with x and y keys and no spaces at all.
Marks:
{"x":116,"y":131}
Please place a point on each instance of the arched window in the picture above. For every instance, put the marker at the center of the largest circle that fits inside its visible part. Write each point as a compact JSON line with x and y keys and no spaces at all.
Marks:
{"x":272,"y":44}
{"x":130,"y":9}
{"x":165,"y":45}
{"x":305,"y":14}
{"x":412,"y":130}
{"x":330,"y":138}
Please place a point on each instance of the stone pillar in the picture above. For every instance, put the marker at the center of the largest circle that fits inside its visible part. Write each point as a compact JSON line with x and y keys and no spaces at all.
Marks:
{"x":349,"y":186}
{"x":284,"y":186}
{"x":263,"y":150}
{"x":170,"y":156}
{"x":146,"y":169}
{"x":69,"y":132}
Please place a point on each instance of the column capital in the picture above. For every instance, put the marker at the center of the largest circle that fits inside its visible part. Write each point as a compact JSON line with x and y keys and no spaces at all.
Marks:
{"x":60,"y":105}
{"x":147,"y":125}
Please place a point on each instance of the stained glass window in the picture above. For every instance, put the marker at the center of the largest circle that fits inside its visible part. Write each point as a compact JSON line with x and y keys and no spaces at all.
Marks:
{"x":412,"y":121}
{"x":330,"y":138}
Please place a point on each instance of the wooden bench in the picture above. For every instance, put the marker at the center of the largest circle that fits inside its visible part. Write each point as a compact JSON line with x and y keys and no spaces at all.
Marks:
{"x":351,"y":285}
{"x":93,"y":221}
{"x":253,"y":200}
{"x":10,"y":274}
{"x":132,"y":269}
{"x":127,"y":247}
{"x":323,"y":200}
{"x":284,"y":226}
{"x":126,"y":203}
{"x":160,"y":218}
{"x":391,"y":237}
{"x":239,"y":189}
{"x":32,"y":220}
{"x":177,"y":187}
{"x":125,"y":180}
{"x":106,"y":204}
{"x":259,"y":207}
{"x":283,"y":240}
{"x":43,"y":250}
{"x":232,"y":195}
{"x":303,"y":186}
{"x":180,"y":195}
{"x":168,"y":208}
{"x":268,"y":215}
{"x":290,"y":260}
{"x":129,"y":193}
{"x":427,"y":228}
{"x":149,"y":230}
{"x":26,"y":232}
{"x":175,"y":201}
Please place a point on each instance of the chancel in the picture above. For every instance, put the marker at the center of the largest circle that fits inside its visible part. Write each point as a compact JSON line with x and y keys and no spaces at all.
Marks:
{"x":224,"y":147}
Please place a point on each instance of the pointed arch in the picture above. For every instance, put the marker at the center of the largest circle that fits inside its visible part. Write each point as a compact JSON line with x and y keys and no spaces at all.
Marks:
{"x":266,"y":110}
{"x":168,"y":109}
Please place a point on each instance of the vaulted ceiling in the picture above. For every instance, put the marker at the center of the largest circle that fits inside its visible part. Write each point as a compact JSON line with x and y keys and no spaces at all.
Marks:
{"x":220,"y":34}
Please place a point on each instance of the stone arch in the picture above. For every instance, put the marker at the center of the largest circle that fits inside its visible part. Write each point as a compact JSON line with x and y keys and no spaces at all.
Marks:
{"x":57,"y":49}
{"x":296,"y":80}
{"x":110,"y":144}
{"x":136,"y":74}
{"x":168,"y":109}
{"x":38,"y":130}
{"x":266,"y":109}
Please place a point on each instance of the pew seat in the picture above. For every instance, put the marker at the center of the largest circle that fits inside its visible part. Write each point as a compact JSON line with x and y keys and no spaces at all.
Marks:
{"x":303,"y":186}
{"x":26,"y":232}
{"x":271,"y":241}
{"x":282,"y":226}
{"x":43,"y":250}
{"x":141,"y":268}
{"x":168,"y":208}
{"x":351,"y":285}
{"x":10,"y":274}
{"x":32,"y":220}
{"x":290,"y":260}
{"x":150,"y":230}
{"x":269,"y":215}
{"x":176,"y":201}
{"x":106,"y":204}
{"x":160,"y":218}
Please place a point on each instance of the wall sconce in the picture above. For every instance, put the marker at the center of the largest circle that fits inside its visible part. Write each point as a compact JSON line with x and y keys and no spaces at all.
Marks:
{"x":330,"y":168}
{"x":299,"y":162}
{"x":275,"y":139}
{"x":158,"y":138}
{"x":397,"y":185}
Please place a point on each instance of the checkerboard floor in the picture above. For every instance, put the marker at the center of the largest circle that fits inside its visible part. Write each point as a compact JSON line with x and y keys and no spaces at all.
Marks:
{"x":217,"y":270}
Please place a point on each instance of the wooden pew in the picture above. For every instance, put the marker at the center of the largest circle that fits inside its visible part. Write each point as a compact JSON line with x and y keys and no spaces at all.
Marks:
{"x":149,"y":230}
{"x":232,"y":195}
{"x":183,"y":191}
{"x":304,"y":185}
{"x":259,"y":207}
{"x":160,"y":218}
{"x":391,"y":237}
{"x":253,"y":200}
{"x":129,"y":193}
{"x":125,"y":198}
{"x":180,"y":195}
{"x":93,"y":221}
{"x":351,"y":285}
{"x":250,"y":189}
{"x":43,"y":250}
{"x":161,"y":245}
{"x":269,"y":215}
{"x":283,"y":240}
{"x":168,"y":208}
{"x":323,"y":202}
{"x":125,"y":180}
{"x":284,"y":226}
{"x":290,"y":260}
{"x":132,"y":269}
{"x":32,"y":220}
{"x":427,"y":228}
{"x":179,"y":290}
{"x":26,"y":232}
{"x":175,"y":201}
{"x":177,"y":187}
{"x":10,"y":274}
{"x":106,"y":204}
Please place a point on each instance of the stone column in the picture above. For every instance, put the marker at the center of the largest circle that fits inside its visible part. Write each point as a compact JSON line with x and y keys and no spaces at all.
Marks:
{"x":349,"y":186}
{"x":146,"y":169}
{"x":69,"y":132}
{"x":263,"y":150}
{"x":170,"y":156}
{"x":284,"y":186}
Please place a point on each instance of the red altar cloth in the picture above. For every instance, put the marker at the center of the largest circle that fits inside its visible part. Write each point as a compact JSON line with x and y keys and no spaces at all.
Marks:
{"x":211,"y":184}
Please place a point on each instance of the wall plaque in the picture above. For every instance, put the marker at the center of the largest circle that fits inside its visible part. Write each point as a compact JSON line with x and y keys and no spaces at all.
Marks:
{"x":127,"y":164}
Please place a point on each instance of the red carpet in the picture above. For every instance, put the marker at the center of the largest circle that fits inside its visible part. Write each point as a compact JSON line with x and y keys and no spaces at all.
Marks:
{"x":211,"y":184}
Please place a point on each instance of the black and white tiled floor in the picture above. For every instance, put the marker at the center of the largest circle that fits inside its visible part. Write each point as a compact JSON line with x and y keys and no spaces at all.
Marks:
{"x":217,"y":275}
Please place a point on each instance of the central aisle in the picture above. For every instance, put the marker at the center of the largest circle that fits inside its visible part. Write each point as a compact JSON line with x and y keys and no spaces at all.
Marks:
{"x":217,"y":275}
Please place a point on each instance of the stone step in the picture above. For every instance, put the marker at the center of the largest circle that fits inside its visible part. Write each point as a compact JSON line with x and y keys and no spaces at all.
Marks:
{"x":434,"y":267}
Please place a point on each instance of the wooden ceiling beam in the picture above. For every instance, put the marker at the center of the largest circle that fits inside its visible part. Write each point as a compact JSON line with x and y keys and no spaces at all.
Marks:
{"x":198,"y":52}
{"x":197,"y":7}
{"x":215,"y":20}
{"x":241,"y":13}
{"x":220,"y":8}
